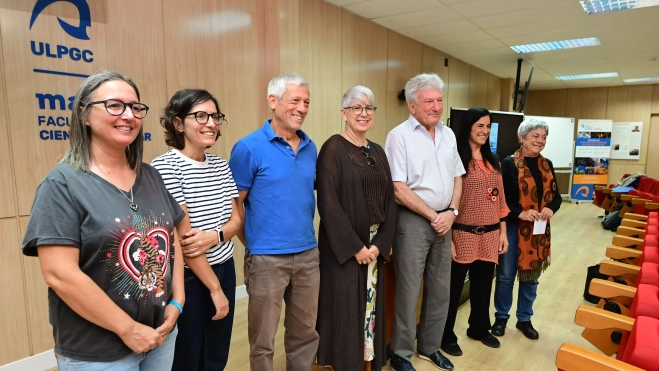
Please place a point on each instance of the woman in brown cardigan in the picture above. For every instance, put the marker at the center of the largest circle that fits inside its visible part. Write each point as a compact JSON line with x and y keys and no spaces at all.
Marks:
{"x":357,"y":224}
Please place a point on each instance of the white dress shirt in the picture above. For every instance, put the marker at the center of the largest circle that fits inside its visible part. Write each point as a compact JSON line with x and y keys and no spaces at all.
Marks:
{"x":428,"y":167}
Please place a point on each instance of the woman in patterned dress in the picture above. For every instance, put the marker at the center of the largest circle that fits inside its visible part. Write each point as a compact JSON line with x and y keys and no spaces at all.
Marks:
{"x":479,"y":232}
{"x":357,"y":224}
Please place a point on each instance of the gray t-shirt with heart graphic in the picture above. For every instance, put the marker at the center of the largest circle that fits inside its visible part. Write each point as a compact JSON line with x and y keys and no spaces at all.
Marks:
{"x":128,"y":254}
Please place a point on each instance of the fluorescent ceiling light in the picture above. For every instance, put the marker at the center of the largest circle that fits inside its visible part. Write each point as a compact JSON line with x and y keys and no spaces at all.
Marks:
{"x":588,"y":76}
{"x":646,"y":79}
{"x":556,"y":45}
{"x":604,"y":6}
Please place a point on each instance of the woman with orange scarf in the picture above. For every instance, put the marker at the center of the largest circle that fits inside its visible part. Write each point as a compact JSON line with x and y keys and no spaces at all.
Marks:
{"x":532,"y":195}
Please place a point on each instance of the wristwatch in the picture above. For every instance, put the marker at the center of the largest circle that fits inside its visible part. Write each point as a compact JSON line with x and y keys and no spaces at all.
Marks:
{"x":220,"y":235}
{"x":454,"y":211}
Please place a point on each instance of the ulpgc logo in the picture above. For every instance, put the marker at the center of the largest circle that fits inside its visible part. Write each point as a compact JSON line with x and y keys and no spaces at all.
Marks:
{"x":80,"y":31}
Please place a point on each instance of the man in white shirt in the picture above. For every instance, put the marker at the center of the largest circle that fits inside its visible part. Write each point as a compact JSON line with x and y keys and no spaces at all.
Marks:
{"x":427,"y":175}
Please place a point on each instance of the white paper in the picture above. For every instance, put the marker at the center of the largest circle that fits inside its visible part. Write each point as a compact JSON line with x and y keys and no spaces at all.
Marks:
{"x":539,"y":226}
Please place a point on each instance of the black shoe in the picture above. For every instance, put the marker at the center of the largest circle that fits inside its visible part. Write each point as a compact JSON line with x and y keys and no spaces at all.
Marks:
{"x":528,"y":330}
{"x":400,"y":364}
{"x":490,"y":340}
{"x":499,"y":327}
{"x":438,"y":360}
{"x":452,"y":349}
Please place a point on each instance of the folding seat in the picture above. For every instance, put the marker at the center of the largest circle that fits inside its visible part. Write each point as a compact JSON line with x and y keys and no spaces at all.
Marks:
{"x":639,"y":352}
{"x":572,"y":357}
{"x":636,"y":199}
{"x":606,"y":194}
{"x":645,"y":185}
{"x":620,"y":298}
{"x":646,"y":251}
{"x":647,"y":273}
{"x":640,"y":224}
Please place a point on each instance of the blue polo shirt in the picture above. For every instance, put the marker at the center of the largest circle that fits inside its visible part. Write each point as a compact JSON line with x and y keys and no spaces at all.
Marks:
{"x":281,"y":203}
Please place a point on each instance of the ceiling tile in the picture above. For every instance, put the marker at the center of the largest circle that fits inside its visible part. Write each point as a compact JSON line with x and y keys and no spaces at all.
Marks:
{"x":533,"y":15}
{"x":345,"y":2}
{"x":418,"y":18}
{"x":456,"y":38}
{"x":383,"y":8}
{"x":482,"y":44}
{"x":444,"y":28}
{"x":478,"y":8}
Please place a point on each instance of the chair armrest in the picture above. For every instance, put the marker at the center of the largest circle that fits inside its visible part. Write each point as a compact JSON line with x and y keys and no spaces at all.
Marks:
{"x":633,"y":224}
{"x":610,"y":289}
{"x":626,"y":241}
{"x":571,"y":357}
{"x":631,"y":232}
{"x":618,"y":253}
{"x":640,"y":201}
{"x":639,"y":217}
{"x":611,"y":268}
{"x":627,"y":197}
{"x":600,"y":319}
{"x":606,"y":190}
{"x":651,"y":206}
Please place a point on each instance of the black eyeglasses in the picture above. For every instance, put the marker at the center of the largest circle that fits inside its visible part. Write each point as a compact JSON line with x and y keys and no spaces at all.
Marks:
{"x":116,"y":107}
{"x":367,"y":152}
{"x":370,"y":110}
{"x":202,"y":117}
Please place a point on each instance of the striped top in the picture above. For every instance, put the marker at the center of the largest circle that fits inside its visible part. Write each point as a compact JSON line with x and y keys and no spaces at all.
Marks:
{"x":206,"y":188}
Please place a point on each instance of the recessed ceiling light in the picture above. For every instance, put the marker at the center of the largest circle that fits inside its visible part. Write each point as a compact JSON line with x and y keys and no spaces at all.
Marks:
{"x":588,"y":76}
{"x":604,"y":6}
{"x":556,"y":45}
{"x":646,"y":79}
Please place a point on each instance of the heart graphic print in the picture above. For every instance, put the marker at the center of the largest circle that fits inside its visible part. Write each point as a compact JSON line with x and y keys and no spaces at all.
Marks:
{"x":140,"y":260}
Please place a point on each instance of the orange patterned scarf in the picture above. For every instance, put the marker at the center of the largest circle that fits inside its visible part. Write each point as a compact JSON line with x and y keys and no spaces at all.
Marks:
{"x":533,"y":251}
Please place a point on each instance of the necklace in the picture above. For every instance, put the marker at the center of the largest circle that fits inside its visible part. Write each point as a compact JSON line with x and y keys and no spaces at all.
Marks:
{"x":133,"y":205}
{"x":345,"y":135}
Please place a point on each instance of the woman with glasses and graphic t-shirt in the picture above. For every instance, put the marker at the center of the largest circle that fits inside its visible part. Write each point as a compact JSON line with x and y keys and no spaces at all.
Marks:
{"x":102,"y":224}
{"x":357,"y":223}
{"x":203,"y":185}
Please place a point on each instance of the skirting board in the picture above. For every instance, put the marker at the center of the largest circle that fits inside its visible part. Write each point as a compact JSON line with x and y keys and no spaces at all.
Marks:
{"x":46,"y":360}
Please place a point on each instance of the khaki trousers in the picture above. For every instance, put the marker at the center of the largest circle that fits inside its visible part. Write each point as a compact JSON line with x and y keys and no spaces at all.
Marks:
{"x":295,"y":278}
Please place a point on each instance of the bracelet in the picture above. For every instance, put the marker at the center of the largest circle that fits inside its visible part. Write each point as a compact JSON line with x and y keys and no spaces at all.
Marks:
{"x":177,"y":305}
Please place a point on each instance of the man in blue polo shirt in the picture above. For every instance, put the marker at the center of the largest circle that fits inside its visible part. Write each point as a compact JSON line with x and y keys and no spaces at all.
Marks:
{"x":275,"y":169}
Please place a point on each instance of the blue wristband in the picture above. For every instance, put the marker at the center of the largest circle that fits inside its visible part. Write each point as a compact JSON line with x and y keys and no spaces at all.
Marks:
{"x":177,"y":305}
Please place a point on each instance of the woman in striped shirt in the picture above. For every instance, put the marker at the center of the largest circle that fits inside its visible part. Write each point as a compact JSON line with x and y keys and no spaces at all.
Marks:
{"x":203,"y":185}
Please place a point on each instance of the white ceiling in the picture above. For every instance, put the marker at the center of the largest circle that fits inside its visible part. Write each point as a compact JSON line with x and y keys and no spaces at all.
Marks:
{"x":480,"y":32}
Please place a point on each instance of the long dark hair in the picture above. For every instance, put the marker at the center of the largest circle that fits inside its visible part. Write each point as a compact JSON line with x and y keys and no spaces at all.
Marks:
{"x":464,"y":149}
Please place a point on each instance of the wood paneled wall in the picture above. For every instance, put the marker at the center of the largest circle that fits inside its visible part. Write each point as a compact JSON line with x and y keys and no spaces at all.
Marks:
{"x":617,"y":103}
{"x":231,"y":48}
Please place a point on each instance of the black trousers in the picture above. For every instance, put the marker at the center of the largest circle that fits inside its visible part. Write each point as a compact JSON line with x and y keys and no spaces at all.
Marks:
{"x":481,"y":275}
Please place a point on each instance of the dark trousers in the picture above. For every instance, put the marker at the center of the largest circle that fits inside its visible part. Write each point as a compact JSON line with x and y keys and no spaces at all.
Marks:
{"x":203,"y":344}
{"x":481,"y":275}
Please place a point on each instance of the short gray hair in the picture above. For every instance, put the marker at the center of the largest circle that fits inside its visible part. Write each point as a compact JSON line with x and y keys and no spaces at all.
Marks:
{"x":424,"y":81}
{"x":358,"y":93}
{"x":79,"y":152}
{"x":528,"y":125}
{"x":277,"y":85}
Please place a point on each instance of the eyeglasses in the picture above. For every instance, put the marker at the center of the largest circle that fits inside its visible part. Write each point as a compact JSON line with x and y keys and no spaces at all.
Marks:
{"x":202,"y":117}
{"x":357,"y":110}
{"x":367,"y":152}
{"x":117,"y":108}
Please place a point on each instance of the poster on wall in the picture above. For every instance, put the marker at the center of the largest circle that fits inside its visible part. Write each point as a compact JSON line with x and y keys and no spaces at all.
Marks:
{"x":626,"y":140}
{"x":591,"y":157}
{"x":494,"y":136}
